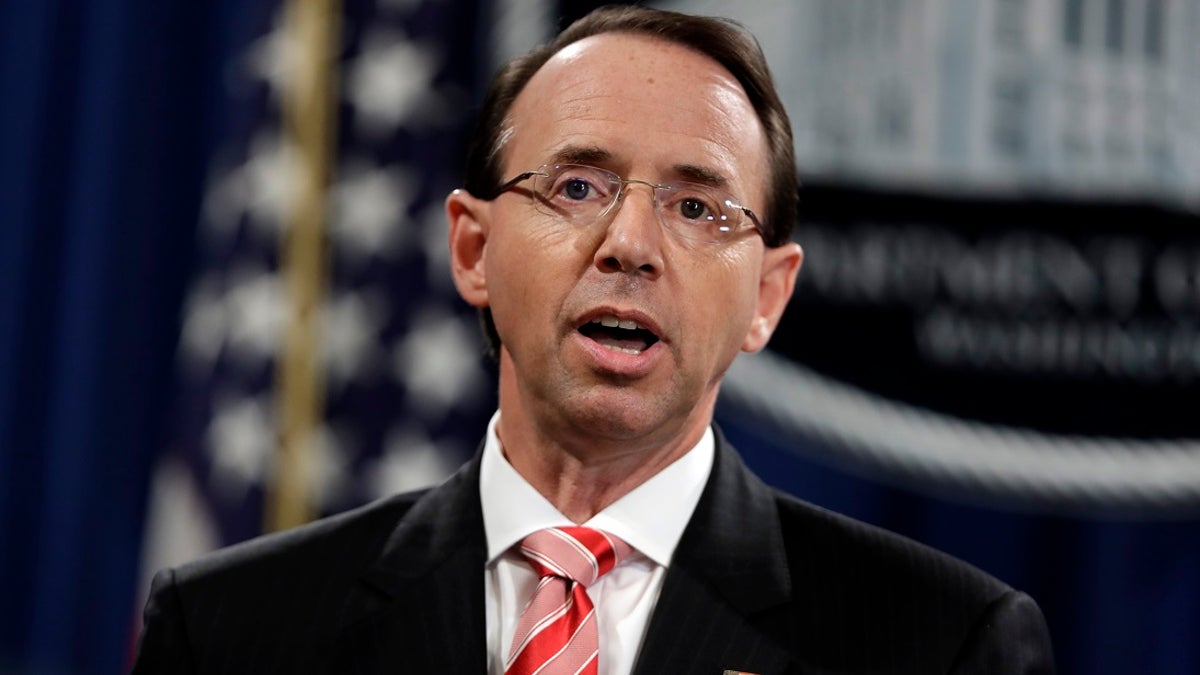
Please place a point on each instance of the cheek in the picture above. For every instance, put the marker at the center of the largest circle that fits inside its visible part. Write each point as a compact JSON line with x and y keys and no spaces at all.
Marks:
{"x":527,"y":265}
{"x":532,"y":239}
{"x":737,"y":273}
{"x":518,"y":248}
{"x":724,"y":303}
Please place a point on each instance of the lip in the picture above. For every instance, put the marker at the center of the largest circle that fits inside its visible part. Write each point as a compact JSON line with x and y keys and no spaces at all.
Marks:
{"x":643,"y":319}
{"x":615,"y":362}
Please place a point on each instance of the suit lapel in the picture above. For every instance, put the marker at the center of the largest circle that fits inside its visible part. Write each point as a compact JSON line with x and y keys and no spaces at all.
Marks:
{"x":724,"y":580}
{"x":419,"y":607}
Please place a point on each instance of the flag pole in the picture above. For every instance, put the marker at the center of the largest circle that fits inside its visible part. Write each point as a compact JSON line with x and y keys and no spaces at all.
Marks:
{"x":309,"y":114}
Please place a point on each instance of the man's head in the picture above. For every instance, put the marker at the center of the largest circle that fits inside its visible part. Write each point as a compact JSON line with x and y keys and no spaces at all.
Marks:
{"x":725,"y":42}
{"x":721,"y":40}
{"x":645,"y":99}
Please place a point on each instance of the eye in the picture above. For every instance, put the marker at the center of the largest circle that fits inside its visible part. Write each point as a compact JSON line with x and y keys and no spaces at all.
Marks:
{"x":692,"y":205}
{"x":697,"y":212}
{"x":576,"y":188}
{"x":693,"y":209}
{"x":573,"y":184}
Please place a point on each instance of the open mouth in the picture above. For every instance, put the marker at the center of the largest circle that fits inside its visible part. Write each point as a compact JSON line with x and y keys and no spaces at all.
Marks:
{"x":621,"y":335}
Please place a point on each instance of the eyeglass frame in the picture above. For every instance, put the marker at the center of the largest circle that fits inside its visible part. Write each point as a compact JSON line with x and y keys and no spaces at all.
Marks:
{"x":620,"y":195}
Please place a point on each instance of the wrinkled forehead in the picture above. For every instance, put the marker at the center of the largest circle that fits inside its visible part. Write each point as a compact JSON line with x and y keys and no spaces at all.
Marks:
{"x":646,"y":103}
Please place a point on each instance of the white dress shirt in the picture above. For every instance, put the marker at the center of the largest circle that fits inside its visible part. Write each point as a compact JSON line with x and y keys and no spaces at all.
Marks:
{"x":651,"y":519}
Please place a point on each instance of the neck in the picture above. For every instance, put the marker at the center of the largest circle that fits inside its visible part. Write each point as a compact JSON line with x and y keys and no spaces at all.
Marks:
{"x":578,"y":467}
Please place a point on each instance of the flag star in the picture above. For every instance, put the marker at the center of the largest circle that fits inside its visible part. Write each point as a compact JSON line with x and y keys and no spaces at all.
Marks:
{"x":328,"y":475}
{"x":410,"y":461}
{"x":438,"y":361}
{"x":255,"y":312}
{"x":241,"y":444}
{"x":391,"y":82}
{"x":349,"y":342}
{"x":204,"y":323}
{"x":277,"y":58}
{"x":225,"y":201}
{"x":270,"y":179}
{"x":264,"y":186}
{"x":369,"y":208}
{"x":432,"y":227}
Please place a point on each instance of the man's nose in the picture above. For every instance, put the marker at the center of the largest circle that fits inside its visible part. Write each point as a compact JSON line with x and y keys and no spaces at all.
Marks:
{"x":633,"y":238}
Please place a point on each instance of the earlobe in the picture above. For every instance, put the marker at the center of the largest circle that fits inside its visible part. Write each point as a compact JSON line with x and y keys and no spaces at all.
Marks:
{"x":778,"y":280}
{"x":468,"y":218}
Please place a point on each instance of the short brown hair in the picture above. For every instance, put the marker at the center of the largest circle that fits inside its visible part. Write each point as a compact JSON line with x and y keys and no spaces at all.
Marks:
{"x":723,"y":40}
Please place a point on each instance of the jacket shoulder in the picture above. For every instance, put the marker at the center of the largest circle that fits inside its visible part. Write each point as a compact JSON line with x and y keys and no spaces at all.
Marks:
{"x":232,"y":607}
{"x":872,"y":557}
{"x":341,"y":540}
{"x":869,"y":600}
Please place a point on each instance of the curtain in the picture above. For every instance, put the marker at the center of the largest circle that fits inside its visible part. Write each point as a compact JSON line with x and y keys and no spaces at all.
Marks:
{"x":103,"y":127}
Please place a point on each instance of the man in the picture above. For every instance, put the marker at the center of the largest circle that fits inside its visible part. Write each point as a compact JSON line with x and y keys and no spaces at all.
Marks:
{"x":625,"y":232}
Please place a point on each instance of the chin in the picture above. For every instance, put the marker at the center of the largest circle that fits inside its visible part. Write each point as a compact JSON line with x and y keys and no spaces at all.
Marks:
{"x":625,"y":418}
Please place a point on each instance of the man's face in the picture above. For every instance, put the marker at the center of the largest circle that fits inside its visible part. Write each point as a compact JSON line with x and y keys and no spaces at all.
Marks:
{"x":653,"y":111}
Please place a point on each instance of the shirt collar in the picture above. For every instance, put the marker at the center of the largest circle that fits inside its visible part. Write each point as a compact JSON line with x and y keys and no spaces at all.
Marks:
{"x":513,"y":509}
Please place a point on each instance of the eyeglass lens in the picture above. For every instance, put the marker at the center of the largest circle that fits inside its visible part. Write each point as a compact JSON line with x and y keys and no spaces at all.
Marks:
{"x":585,"y":194}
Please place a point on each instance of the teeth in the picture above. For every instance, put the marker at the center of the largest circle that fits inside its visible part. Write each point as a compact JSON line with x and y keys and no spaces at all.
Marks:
{"x":635,"y":352}
{"x":614,"y":322}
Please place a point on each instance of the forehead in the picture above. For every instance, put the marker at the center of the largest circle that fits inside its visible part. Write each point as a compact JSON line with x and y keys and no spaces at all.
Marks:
{"x":646,"y":104}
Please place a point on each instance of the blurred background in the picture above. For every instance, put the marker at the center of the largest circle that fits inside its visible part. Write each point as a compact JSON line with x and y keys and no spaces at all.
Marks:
{"x":225,"y":306}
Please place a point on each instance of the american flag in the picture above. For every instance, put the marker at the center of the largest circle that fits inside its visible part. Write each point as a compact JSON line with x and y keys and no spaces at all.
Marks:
{"x":405,"y":389}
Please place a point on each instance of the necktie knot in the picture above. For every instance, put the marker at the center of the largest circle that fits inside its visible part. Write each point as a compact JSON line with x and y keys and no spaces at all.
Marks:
{"x":580,"y":554}
{"x":556,"y":634}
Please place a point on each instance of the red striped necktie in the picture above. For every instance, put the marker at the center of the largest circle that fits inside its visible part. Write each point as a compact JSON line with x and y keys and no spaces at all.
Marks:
{"x":556,"y":633}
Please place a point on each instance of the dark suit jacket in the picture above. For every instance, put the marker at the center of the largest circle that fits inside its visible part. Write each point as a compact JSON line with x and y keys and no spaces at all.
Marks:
{"x":760,"y":582}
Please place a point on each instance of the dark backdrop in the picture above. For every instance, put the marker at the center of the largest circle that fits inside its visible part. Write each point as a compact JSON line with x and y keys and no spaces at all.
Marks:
{"x":111,"y":113}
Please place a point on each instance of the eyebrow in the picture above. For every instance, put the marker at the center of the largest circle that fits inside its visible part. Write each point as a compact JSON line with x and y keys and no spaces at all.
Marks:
{"x":573,"y":154}
{"x":700,"y":174}
{"x":694,"y":173}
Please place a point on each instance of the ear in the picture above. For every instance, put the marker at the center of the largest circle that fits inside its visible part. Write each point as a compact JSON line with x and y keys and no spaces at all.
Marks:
{"x":469,"y":227}
{"x":779,"y":268}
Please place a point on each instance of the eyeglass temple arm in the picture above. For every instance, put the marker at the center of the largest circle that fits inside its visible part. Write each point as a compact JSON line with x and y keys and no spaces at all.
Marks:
{"x":762,"y":231}
{"x":513,"y":183}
